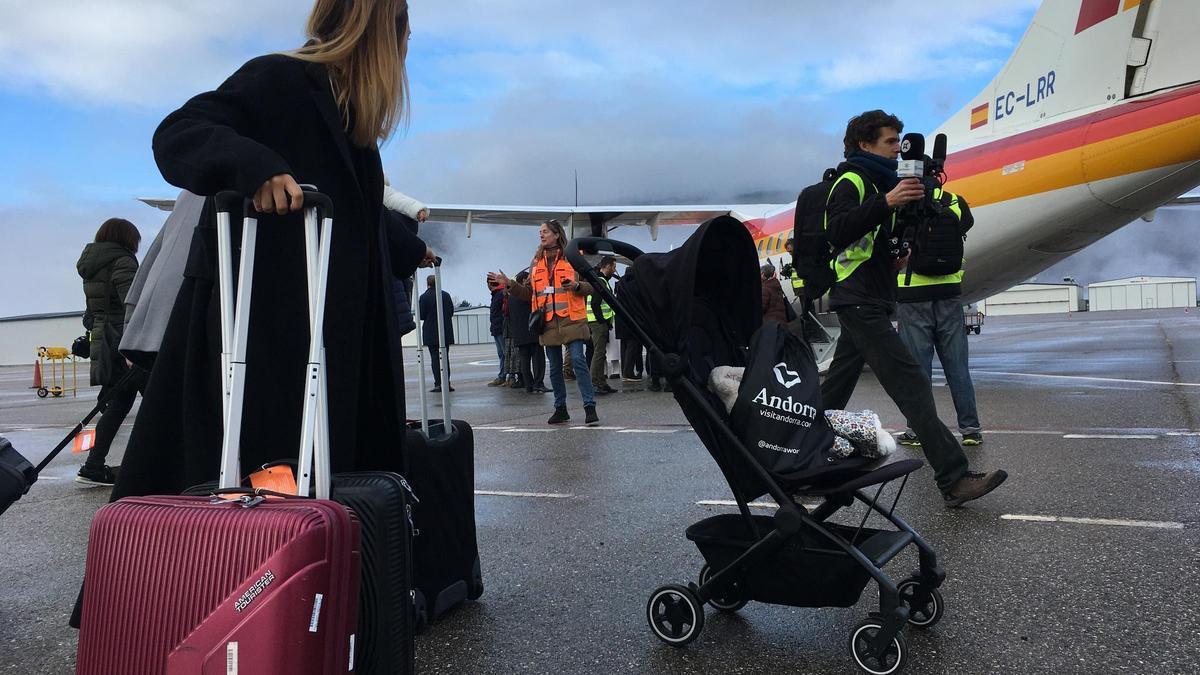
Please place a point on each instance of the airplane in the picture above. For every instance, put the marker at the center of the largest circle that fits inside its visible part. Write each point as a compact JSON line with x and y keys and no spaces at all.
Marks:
{"x":1093,"y":122}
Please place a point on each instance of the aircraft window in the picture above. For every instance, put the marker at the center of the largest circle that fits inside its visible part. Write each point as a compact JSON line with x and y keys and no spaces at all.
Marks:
{"x":770,"y":243}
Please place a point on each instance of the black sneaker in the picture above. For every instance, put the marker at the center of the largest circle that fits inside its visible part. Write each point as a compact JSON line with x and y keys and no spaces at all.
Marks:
{"x":560,"y":416}
{"x":667,"y":387}
{"x":97,"y":475}
{"x":973,"y":486}
{"x":974,"y":438}
{"x":436,"y":390}
{"x":655,"y":386}
{"x":590,"y":417}
{"x":910,"y":439}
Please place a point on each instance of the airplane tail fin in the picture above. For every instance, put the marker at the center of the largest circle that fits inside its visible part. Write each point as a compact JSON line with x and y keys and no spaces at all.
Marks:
{"x":1080,"y":55}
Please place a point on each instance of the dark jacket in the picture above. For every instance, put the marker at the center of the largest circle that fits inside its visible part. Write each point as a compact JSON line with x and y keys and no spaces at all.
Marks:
{"x":774,"y":302}
{"x":429,"y":336}
{"x":874,"y":281}
{"x":275,"y":115}
{"x":107,"y":270}
{"x":518,"y":319}
{"x":496,"y":312}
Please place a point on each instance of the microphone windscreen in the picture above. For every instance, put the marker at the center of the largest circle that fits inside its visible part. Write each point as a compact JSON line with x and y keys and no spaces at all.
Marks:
{"x":939,"y":148}
{"x":912,"y":146}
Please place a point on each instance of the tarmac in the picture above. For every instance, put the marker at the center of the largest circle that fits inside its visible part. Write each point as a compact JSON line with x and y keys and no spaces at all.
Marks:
{"x":1083,"y":562}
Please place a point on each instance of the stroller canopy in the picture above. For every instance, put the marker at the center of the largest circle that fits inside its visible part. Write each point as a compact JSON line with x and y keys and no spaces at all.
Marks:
{"x":718,"y":264}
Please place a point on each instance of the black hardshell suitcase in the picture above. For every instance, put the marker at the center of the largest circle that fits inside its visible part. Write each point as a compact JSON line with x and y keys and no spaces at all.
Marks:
{"x":380,"y":500}
{"x":441,"y":468}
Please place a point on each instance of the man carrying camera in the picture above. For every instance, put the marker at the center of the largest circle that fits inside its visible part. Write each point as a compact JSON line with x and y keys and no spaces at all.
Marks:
{"x":860,"y":223}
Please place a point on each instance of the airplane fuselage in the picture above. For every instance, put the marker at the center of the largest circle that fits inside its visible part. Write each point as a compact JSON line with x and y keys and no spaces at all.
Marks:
{"x":1039,"y":196}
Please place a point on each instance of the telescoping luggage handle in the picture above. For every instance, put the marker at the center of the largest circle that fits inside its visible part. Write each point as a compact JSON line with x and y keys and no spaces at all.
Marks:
{"x":443,"y":353}
{"x":235,"y":316}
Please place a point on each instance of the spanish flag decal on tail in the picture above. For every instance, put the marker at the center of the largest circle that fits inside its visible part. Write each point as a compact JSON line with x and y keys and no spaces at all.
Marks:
{"x":979,"y":116}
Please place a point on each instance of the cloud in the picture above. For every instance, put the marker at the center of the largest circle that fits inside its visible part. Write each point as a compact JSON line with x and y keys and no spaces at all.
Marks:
{"x":135,"y":52}
{"x":42,"y":245}
{"x":1158,"y":248}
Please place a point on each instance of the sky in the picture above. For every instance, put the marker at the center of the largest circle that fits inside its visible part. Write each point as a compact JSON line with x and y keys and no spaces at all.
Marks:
{"x":650,"y":102}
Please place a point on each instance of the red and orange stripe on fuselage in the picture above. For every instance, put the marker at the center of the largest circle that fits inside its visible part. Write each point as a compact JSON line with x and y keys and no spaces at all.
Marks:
{"x":1138,"y":135}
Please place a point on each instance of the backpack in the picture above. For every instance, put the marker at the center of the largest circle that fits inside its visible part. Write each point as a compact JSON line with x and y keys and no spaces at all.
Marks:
{"x":811,"y":253}
{"x":939,"y":246}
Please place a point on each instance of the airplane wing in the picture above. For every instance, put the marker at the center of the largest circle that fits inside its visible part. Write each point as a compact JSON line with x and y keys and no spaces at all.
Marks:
{"x":651,"y":216}
{"x":581,"y":216}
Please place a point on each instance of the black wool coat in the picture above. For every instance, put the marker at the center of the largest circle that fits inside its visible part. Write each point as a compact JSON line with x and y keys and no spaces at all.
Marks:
{"x":275,"y":115}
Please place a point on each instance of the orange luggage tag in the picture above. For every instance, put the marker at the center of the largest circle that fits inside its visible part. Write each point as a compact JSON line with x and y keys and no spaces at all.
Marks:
{"x":84,"y":441}
{"x":278,"y":478}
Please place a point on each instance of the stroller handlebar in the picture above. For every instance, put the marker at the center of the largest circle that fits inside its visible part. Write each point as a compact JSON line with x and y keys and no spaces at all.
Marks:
{"x":580,"y":246}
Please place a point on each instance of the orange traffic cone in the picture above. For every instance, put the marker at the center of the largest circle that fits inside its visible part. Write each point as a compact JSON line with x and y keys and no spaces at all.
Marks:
{"x":37,"y":374}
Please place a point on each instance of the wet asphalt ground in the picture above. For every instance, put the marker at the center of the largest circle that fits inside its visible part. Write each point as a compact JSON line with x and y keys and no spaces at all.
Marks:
{"x":1096,"y":417}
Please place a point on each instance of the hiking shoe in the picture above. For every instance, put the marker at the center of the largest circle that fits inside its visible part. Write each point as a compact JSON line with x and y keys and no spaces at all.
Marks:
{"x":498,"y":382}
{"x":973,"y":486}
{"x":910,"y":439}
{"x":974,"y":438}
{"x":560,"y":416}
{"x":590,"y":416}
{"x":97,"y":475}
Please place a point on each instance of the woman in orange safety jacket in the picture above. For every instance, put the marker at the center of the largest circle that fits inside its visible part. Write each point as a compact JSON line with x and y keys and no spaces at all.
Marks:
{"x":557,"y":294}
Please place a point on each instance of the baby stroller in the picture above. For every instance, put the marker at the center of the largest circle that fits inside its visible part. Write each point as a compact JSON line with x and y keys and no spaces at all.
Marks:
{"x":695,"y":308}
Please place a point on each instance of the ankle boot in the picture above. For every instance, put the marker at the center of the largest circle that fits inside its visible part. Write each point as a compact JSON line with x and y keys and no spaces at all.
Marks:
{"x":560,"y":416}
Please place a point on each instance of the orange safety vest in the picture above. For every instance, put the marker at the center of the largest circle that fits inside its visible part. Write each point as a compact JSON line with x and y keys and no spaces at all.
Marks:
{"x":551,"y":297}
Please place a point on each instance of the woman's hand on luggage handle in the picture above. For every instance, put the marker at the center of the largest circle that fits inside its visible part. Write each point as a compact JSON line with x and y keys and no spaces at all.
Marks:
{"x":280,"y":194}
{"x":428,"y":259}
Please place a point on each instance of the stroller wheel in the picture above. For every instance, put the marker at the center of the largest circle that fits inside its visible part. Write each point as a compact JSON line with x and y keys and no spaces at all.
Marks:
{"x":925,"y":614}
{"x":728,"y":605}
{"x":890,"y":662}
{"x":675,"y":615}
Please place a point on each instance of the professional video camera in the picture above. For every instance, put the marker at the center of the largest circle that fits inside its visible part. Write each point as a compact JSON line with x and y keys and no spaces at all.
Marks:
{"x":913,"y":219}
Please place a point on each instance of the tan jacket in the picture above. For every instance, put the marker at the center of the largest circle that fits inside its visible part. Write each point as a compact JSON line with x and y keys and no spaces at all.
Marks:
{"x":559,"y":330}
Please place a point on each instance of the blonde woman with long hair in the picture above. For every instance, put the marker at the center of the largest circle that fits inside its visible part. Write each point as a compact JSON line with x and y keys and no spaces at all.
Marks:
{"x":314,"y":115}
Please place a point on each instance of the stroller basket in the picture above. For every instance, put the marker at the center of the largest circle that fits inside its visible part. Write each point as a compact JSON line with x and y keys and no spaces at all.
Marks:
{"x":809,"y":571}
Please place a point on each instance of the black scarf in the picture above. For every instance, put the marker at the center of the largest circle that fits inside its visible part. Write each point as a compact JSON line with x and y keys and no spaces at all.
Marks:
{"x":881,"y":170}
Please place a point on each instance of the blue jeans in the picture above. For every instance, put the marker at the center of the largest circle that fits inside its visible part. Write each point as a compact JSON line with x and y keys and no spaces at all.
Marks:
{"x":582,"y":377}
{"x":937,"y":325}
{"x":500,"y":353}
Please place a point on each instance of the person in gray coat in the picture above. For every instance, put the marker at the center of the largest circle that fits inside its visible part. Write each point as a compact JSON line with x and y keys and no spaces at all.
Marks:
{"x":107,"y":267}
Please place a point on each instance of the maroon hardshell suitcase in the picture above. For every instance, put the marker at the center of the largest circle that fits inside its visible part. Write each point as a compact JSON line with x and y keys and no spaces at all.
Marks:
{"x":241,"y":583}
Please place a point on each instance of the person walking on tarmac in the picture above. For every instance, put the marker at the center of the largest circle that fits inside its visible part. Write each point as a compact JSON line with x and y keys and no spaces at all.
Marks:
{"x":107,"y":267}
{"x":931,"y":318}
{"x":860,"y":221}
{"x":600,"y":319}
{"x":555,"y":290}
{"x":429,"y":333}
